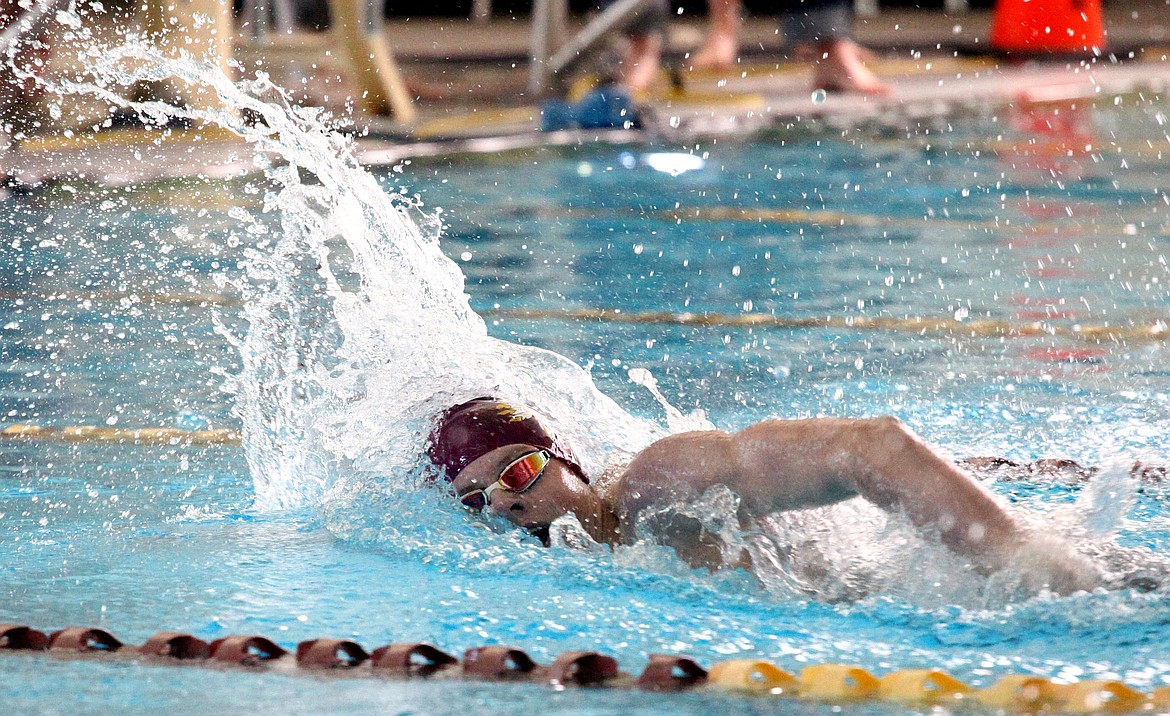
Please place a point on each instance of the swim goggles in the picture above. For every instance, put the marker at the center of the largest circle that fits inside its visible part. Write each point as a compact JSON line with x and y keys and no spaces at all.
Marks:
{"x":519,"y":475}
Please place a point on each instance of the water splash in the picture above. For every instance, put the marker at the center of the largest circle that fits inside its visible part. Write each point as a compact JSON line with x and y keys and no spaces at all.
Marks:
{"x":676,"y":421}
{"x":1108,"y":497}
{"x":359,"y":329}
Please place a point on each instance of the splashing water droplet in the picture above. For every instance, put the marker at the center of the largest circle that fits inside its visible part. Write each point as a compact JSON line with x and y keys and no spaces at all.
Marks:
{"x":675,"y":419}
{"x":819,"y":96}
{"x":1108,"y":496}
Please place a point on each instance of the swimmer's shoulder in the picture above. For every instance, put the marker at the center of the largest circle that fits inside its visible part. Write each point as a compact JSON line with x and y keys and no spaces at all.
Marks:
{"x":614,"y":488}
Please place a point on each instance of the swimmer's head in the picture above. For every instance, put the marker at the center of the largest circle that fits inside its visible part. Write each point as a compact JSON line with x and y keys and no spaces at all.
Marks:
{"x":470,"y":430}
{"x":526,"y":485}
{"x":501,"y":459}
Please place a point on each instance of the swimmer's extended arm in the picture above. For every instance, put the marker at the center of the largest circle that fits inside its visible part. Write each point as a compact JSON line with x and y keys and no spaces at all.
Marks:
{"x":782,"y":465}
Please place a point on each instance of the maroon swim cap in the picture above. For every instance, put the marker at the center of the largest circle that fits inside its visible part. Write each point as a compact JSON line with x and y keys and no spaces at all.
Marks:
{"x":470,"y":430}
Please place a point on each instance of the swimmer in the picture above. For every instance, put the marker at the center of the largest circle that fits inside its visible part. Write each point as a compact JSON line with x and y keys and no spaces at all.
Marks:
{"x":501,"y":459}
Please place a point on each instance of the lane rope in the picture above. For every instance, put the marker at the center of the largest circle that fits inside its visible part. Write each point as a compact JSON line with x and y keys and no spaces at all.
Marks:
{"x":132,"y":436}
{"x":1157,"y":331}
{"x":825,"y":683}
{"x":988,"y":328}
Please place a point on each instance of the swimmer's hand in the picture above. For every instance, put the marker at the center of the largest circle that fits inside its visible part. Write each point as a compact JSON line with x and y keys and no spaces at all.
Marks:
{"x":1045,"y":562}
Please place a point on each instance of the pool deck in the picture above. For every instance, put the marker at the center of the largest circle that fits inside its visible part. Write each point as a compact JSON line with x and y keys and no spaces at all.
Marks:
{"x":470,"y":85}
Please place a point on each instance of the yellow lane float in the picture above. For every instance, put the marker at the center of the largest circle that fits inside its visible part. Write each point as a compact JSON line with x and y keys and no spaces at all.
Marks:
{"x":923,"y":686}
{"x":837,"y":682}
{"x":751,"y":676}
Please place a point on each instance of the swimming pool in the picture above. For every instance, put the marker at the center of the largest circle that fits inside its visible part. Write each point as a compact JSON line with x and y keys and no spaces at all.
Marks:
{"x":123,"y":309}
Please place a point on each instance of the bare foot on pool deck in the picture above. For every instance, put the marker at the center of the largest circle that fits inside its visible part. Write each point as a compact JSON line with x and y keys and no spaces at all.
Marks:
{"x":807,"y":52}
{"x":841,"y":68}
{"x":717,"y":53}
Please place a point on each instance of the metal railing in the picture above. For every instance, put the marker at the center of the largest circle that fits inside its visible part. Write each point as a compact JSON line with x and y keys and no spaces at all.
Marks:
{"x":360,"y":32}
{"x":550,"y":63}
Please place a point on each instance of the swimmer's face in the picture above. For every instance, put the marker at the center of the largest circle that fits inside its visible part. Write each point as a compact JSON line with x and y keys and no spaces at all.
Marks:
{"x":556,"y":492}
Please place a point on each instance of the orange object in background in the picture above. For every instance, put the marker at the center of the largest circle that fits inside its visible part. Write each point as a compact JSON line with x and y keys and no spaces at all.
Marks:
{"x":1055,"y":137}
{"x":1037,"y":26}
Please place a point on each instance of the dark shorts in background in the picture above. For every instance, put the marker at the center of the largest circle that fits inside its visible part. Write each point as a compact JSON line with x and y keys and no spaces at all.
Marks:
{"x":650,"y":19}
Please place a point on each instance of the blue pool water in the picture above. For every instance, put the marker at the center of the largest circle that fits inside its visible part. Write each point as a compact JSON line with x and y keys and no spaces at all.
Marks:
{"x":117,"y":307}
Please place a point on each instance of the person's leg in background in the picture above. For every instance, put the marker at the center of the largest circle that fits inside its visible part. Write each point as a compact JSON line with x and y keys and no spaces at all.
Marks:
{"x":720,"y":48}
{"x":642,"y":59}
{"x":641,"y":63}
{"x":838,"y":61}
{"x":19,"y":96}
{"x":821,"y":30}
